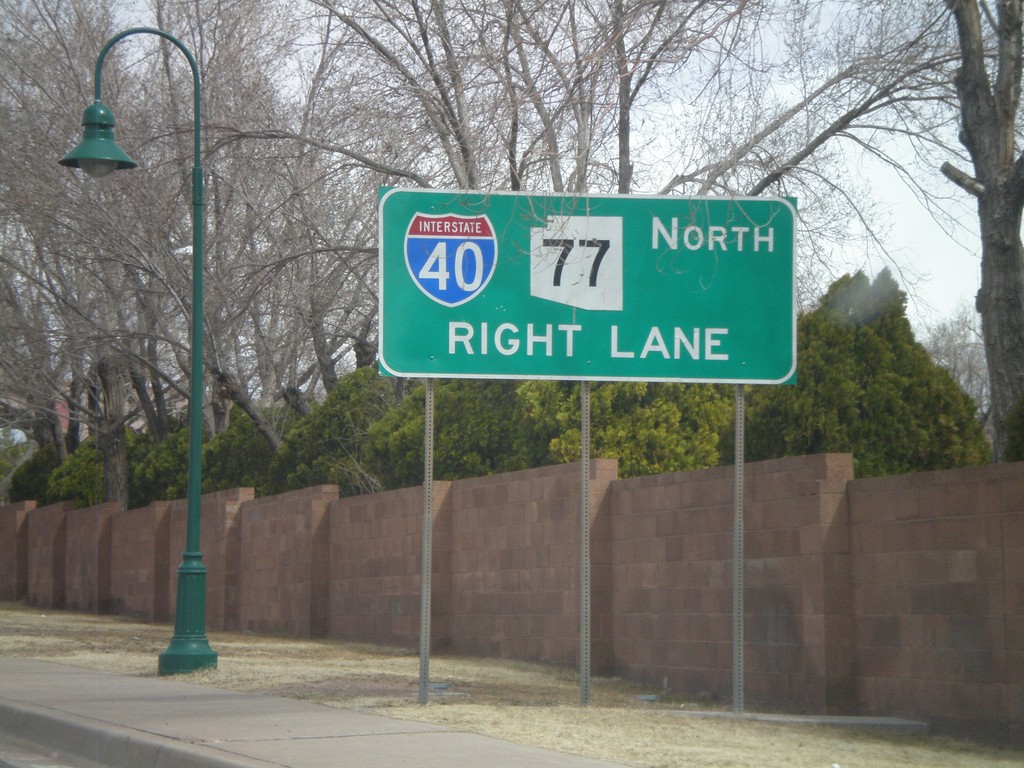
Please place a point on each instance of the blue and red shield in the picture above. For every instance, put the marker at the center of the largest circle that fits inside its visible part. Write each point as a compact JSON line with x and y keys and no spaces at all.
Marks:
{"x":451,"y":258}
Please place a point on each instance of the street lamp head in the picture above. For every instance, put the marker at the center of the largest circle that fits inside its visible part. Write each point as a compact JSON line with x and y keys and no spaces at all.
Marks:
{"x":98,"y":154}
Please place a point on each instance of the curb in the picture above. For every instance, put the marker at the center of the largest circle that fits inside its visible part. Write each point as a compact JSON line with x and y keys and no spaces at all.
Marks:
{"x":110,"y":745}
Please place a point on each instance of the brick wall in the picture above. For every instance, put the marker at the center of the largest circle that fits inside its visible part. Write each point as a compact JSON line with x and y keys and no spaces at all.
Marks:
{"x":671,"y":603}
{"x":47,"y":548}
{"x":797,"y":651}
{"x":14,"y":550}
{"x":139,"y":563}
{"x":515,"y":570}
{"x":282,"y":585}
{"x":938,"y":586}
{"x":891,"y":596}
{"x":505,"y":575}
{"x":375,"y":553}
{"x":87,"y":574}
{"x":672,"y":608}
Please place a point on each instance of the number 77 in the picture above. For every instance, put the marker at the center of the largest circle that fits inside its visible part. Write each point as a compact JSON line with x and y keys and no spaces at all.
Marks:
{"x":567,"y":247}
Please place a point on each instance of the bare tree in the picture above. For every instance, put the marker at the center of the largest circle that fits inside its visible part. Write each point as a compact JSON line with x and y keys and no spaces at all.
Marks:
{"x":955,"y":343}
{"x":96,"y":274}
{"x":309,"y":109}
{"x":649,"y":38}
{"x":60,"y":303}
{"x":988,"y":85}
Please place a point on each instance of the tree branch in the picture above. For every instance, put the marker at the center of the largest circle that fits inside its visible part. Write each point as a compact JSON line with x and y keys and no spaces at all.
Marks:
{"x":963,"y":180}
{"x":235,"y":134}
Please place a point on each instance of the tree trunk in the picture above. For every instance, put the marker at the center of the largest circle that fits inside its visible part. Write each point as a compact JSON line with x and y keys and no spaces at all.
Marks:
{"x":76,"y":416}
{"x":230,"y":390}
{"x":1000,"y":303}
{"x":328,"y":372}
{"x":110,"y":433}
{"x":296,"y":400}
{"x":624,"y":104}
{"x":149,"y":411}
{"x":220,"y":415}
{"x":988,"y":89}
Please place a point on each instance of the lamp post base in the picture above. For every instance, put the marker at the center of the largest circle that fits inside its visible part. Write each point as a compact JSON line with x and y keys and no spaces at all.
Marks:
{"x":187,"y":654}
{"x":189,"y":649}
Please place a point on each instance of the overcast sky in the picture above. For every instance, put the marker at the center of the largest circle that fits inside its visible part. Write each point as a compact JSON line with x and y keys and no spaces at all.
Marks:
{"x":936,"y":261}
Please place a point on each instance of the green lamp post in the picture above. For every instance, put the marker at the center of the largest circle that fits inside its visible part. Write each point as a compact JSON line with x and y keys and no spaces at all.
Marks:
{"x":98,"y":155}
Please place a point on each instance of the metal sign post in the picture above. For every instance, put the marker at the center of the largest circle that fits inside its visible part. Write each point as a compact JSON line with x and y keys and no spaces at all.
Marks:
{"x":737,"y":558}
{"x":585,"y":544}
{"x":426,"y":558}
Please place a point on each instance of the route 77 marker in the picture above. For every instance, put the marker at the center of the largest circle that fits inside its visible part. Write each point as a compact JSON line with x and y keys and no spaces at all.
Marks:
{"x":602,"y":288}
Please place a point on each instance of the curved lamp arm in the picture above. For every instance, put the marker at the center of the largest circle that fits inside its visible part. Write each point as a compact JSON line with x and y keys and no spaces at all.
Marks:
{"x":98,"y":93}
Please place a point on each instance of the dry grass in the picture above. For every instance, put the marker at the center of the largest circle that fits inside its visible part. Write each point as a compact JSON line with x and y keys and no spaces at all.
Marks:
{"x":526,"y":703}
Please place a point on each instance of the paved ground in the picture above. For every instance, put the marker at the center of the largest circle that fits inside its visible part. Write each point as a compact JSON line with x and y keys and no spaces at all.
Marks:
{"x":16,"y":753}
{"x":87,"y":718}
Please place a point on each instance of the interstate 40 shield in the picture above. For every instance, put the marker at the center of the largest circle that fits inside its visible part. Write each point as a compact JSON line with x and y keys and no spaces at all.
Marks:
{"x":505,"y":285}
{"x":450,"y":257}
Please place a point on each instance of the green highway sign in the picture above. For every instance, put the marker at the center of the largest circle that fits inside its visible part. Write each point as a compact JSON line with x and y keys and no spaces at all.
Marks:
{"x":518,"y":286}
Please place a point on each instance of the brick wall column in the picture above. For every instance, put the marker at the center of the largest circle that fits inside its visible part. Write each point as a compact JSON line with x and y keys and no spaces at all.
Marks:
{"x":827,"y":622}
{"x":88,"y":558}
{"x":604,"y":472}
{"x":47,"y":548}
{"x":139,"y":563}
{"x":375,"y":567}
{"x":284,"y":560}
{"x":14,"y":550}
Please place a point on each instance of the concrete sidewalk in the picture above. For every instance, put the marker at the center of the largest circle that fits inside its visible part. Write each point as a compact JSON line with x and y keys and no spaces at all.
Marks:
{"x":128,"y":722}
